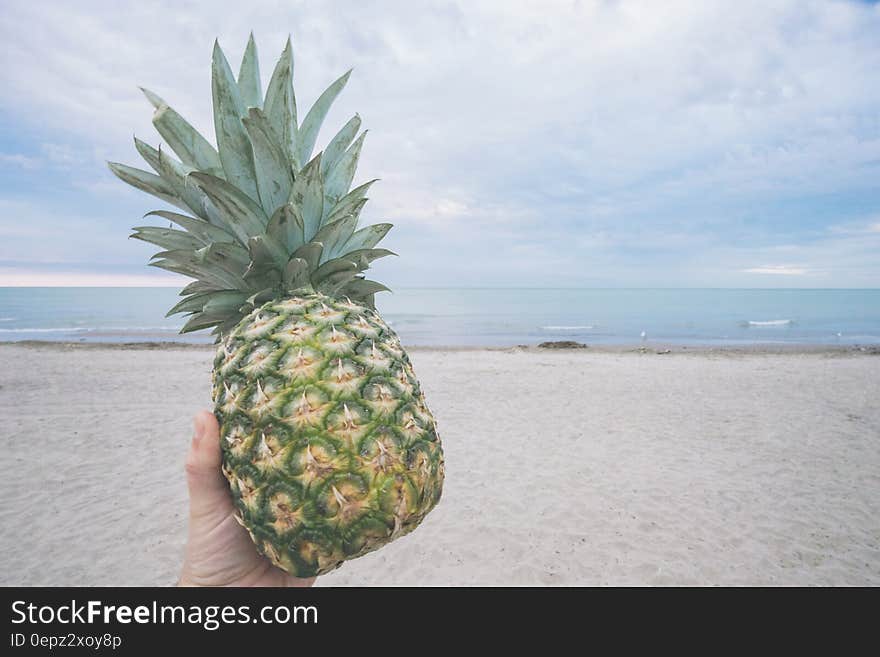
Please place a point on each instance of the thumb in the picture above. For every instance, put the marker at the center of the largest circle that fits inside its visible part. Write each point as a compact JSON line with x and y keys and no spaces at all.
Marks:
{"x":208,"y":488}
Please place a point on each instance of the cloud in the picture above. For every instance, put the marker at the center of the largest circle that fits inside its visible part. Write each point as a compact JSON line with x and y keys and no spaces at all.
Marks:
{"x":778,"y":270}
{"x":60,"y":156}
{"x":861,"y":226}
{"x":63,"y":155}
{"x":639,"y":142}
{"x":19,"y":161}
{"x":30,"y":277}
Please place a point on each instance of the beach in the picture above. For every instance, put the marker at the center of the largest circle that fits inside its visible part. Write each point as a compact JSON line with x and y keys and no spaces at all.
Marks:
{"x":613,"y":466}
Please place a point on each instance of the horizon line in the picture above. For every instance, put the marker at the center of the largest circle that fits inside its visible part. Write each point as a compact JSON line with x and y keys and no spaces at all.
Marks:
{"x":453,"y":287}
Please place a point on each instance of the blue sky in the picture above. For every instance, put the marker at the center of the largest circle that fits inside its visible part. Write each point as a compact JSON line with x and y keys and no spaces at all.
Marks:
{"x":571,"y":144}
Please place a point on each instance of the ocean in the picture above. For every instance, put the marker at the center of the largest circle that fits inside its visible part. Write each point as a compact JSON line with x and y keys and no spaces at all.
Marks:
{"x":491,"y":317}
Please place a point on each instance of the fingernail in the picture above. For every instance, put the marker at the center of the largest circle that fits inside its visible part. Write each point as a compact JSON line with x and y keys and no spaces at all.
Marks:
{"x":198,"y":429}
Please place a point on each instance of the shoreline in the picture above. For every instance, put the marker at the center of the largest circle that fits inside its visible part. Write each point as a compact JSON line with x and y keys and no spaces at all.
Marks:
{"x":658,"y":348}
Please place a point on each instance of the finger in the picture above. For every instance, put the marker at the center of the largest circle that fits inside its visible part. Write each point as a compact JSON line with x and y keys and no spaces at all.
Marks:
{"x":208,"y":489}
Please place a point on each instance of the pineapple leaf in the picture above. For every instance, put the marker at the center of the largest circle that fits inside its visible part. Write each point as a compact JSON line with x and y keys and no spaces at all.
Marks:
{"x":225,"y":327}
{"x":260,"y":216}
{"x":218,"y":219}
{"x":334,"y":266}
{"x":348,"y":211}
{"x":230,"y":299}
{"x":334,"y":236}
{"x":190,"y":146}
{"x":235,"y":147}
{"x":192,"y":303}
{"x":174,"y":173}
{"x":147,"y":182}
{"x":249,"y":76}
{"x":201,"y":320}
{"x":215,"y":277}
{"x":198,"y":287}
{"x":203,"y":230}
{"x":308,"y":131}
{"x":286,"y":227}
{"x":280,"y":105}
{"x":296,"y":274}
{"x":337,"y":185}
{"x":334,"y":282}
{"x":271,"y":166}
{"x":228,"y":255}
{"x":338,"y":144}
{"x":239,"y":212}
{"x":348,"y":203}
{"x":167,"y":238}
{"x":367,"y":237}
{"x":225,"y":303}
{"x":155,"y":100}
{"x":266,"y":252}
{"x":213,"y":258}
{"x":307,"y":193}
{"x":363,"y":257}
{"x":150,"y":155}
{"x":361,"y":287}
{"x":262,"y":277}
{"x":311,"y":253}
{"x":261,"y":296}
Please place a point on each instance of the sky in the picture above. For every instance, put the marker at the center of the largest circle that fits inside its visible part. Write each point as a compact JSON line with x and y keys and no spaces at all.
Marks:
{"x":604,"y":143}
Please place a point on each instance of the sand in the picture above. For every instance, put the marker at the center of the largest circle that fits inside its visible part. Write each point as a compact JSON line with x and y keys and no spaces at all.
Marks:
{"x":563,"y":467}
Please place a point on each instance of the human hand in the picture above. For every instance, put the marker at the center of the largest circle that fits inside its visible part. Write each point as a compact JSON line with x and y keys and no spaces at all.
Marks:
{"x":219,"y":551}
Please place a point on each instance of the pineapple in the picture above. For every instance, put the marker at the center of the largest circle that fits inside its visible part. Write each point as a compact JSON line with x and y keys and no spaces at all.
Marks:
{"x":328,"y":445}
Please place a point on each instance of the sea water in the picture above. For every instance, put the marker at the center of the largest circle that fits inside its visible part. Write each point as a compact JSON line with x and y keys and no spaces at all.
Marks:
{"x":481,"y":317}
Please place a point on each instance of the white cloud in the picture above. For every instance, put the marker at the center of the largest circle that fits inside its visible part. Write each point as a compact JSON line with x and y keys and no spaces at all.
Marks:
{"x":481,"y":80}
{"x":778,"y":270}
{"x":17,"y":160}
{"x":30,"y":277}
{"x":63,"y":155}
{"x":60,"y":156}
{"x":591,"y":126}
{"x":862,"y":226}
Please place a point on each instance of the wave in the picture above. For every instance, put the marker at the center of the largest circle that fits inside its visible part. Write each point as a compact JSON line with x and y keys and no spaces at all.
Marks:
{"x":769,"y":322}
{"x":41,"y":330}
{"x":8,"y":319}
{"x":93,"y":329}
{"x":567,"y":328}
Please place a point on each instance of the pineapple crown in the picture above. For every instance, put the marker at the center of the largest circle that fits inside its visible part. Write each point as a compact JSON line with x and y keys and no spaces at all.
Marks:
{"x":264,"y":219}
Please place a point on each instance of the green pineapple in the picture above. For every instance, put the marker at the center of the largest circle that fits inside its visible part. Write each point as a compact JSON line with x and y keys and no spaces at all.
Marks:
{"x":328,"y":445}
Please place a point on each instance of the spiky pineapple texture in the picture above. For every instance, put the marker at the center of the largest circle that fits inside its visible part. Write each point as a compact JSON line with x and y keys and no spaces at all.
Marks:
{"x":328,"y":444}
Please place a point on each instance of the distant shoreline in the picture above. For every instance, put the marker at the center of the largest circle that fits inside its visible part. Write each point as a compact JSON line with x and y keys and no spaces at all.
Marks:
{"x":616,"y":319}
{"x":658,"y":348}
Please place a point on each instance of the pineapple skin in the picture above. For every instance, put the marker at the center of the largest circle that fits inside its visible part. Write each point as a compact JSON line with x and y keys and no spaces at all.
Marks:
{"x":328,"y":445}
